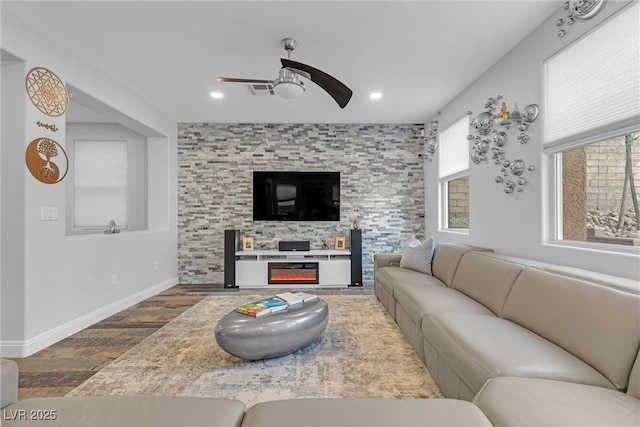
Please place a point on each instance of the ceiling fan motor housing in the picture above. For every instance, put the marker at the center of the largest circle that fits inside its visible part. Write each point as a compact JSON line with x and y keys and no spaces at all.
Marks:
{"x":288,"y":85}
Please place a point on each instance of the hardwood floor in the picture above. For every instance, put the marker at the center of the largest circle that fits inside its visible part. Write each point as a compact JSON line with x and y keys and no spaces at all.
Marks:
{"x":58,"y":369}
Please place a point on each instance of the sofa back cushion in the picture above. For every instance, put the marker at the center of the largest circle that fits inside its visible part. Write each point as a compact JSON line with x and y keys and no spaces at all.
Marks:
{"x":446,"y":259}
{"x":486,"y":278}
{"x":596,"y":323}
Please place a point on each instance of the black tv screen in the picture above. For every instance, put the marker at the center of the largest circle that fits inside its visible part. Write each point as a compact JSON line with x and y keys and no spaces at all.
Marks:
{"x":296,"y":196}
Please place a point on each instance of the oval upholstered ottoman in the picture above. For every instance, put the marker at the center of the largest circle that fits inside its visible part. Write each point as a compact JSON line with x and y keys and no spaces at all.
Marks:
{"x":275,"y":334}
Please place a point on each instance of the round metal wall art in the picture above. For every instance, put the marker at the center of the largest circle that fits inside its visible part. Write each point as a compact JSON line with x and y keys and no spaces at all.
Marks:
{"x":511,"y":172}
{"x":47,"y":92}
{"x":500,"y":139}
{"x":578,"y":9}
{"x":431,"y":143}
{"x":39,"y":155}
{"x":483,"y":123}
{"x":530,"y":113}
{"x":585,"y":9}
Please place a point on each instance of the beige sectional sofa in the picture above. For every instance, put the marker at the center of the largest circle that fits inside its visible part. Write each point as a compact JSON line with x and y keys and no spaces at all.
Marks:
{"x":156,"y":411}
{"x":527,"y":342}
{"x":510,"y":342}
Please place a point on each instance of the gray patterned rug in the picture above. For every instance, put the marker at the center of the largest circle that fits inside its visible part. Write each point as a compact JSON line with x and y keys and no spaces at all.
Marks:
{"x":362,"y":353}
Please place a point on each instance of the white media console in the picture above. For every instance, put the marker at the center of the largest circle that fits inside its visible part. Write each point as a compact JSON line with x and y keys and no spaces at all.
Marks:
{"x":300,"y":269}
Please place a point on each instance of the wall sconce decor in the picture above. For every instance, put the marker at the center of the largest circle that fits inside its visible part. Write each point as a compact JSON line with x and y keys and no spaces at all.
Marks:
{"x":578,"y":9}
{"x":491,"y":137}
{"x":431,"y":141}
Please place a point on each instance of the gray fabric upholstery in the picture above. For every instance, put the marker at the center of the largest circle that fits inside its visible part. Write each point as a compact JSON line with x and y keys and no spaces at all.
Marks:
{"x":129,"y":411}
{"x":365,"y":413}
{"x":481,"y":347}
{"x":8,"y":382}
{"x":486,"y":278}
{"x":595,"y":323}
{"x":536,"y":402}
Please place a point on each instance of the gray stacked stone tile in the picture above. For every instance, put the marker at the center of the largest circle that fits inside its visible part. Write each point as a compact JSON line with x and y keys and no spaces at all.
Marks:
{"x":382,"y":184}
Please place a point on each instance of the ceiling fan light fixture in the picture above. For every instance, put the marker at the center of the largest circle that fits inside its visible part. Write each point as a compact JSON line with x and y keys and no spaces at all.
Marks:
{"x":288,"y":85}
{"x":288,"y":90}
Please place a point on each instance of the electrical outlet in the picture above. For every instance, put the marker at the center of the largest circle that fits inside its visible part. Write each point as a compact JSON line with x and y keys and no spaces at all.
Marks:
{"x":156,"y":265}
{"x":114,"y":279}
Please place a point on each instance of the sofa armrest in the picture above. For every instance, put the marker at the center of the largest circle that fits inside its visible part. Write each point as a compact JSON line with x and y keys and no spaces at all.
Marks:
{"x":8,"y":382}
{"x":386,"y":260}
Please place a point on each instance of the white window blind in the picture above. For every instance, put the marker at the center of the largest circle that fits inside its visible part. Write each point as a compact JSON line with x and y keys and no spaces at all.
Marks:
{"x":454,"y":148}
{"x":593,"y":85}
{"x":100,"y":183}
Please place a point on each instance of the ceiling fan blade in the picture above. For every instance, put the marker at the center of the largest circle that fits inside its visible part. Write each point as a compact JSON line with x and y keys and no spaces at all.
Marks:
{"x":338,"y":91}
{"x":234,"y":80}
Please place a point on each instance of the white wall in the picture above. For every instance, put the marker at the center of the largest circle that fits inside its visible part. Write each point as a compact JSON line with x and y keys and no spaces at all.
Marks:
{"x":12,"y":225}
{"x":67,"y":281}
{"x":516,"y":224}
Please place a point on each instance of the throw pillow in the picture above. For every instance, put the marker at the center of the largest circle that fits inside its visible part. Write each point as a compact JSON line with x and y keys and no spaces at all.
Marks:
{"x":419,"y":257}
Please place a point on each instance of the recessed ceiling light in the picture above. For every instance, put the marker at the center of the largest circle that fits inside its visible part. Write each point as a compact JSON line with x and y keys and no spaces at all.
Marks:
{"x":375,"y":95}
{"x":217,"y":95}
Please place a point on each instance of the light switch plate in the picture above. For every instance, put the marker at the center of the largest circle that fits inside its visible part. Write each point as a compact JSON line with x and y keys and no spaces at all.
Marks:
{"x":48,"y":213}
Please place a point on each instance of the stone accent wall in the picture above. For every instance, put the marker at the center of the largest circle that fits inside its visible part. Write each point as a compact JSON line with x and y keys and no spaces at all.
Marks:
{"x":382,"y":185}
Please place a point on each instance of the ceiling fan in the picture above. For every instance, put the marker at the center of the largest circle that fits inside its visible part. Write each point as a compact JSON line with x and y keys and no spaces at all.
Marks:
{"x":288,"y":84}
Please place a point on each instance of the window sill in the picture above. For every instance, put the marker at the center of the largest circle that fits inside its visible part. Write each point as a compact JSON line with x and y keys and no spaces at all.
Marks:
{"x":102,"y":235}
{"x":461,"y":231}
{"x":595,"y":247}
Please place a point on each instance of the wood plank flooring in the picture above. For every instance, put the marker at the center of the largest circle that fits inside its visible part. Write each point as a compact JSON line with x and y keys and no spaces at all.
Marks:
{"x":58,"y":369}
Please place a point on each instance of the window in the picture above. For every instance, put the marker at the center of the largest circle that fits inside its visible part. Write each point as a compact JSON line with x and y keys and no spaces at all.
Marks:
{"x":109,"y":178}
{"x":453,"y":167}
{"x":100,"y":184}
{"x":592,"y":130}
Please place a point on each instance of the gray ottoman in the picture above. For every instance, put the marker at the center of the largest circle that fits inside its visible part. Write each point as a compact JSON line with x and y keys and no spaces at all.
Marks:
{"x":275,"y":334}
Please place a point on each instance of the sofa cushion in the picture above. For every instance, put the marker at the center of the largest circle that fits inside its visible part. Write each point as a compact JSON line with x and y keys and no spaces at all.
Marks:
{"x":418,"y":301}
{"x":364,"y":412}
{"x":486,"y":278}
{"x":390,"y":277}
{"x":418,"y":256}
{"x":126,"y":411}
{"x":479,"y":347}
{"x":596,"y":323}
{"x":536,"y":402}
{"x":446,"y":259}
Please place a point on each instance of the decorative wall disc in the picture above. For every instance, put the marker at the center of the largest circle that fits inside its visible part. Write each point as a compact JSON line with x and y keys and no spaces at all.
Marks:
{"x":47,"y":92}
{"x":585,"y":9}
{"x":39,"y":155}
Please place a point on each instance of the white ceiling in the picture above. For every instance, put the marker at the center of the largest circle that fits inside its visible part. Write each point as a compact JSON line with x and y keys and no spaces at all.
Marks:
{"x":419,"y":54}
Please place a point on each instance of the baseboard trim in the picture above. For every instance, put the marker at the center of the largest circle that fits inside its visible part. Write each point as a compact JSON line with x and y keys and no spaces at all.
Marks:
{"x":16,"y":348}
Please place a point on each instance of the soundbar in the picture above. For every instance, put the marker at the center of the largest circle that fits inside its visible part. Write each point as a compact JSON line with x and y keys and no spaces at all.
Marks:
{"x":284,"y":245}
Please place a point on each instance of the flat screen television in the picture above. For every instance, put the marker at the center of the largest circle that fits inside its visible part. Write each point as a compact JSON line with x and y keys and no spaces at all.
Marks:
{"x":296,"y":196}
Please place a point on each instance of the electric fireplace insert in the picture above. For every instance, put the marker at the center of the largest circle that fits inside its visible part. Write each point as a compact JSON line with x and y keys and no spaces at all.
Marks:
{"x":283,"y":273}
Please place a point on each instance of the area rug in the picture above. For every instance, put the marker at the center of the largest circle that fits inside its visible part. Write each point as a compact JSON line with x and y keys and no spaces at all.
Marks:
{"x":361,"y":353}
